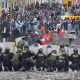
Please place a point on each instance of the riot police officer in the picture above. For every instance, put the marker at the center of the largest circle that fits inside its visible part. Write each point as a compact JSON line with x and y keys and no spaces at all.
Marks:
{"x":17,"y":60}
{"x":74,"y":58}
{"x":40,"y":59}
{"x":26,"y":58}
{"x":52,"y":59}
{"x":31,"y":57}
{"x":7,"y":60}
{"x":63,"y":62}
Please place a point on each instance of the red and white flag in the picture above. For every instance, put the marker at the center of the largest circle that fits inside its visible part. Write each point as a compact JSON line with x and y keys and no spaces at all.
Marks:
{"x":62,"y":32}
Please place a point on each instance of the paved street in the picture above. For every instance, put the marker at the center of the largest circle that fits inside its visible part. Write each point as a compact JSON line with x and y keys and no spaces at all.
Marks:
{"x":34,"y":76}
{"x":39,"y":76}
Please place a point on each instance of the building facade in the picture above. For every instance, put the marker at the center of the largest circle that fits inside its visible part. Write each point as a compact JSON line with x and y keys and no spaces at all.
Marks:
{"x":59,"y":1}
{"x":75,"y":1}
{"x":5,"y":4}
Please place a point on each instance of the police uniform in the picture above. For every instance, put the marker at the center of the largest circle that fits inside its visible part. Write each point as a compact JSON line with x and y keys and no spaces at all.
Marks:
{"x":75,"y":58}
{"x":17,"y":60}
{"x":40,"y":59}
{"x":27,"y":59}
{"x":63,"y":62}
{"x":7,"y":60}
{"x":52,"y":59}
{"x":32,"y":60}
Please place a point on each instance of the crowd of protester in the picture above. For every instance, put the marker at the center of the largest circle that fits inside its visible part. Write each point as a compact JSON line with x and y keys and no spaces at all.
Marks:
{"x":38,"y":21}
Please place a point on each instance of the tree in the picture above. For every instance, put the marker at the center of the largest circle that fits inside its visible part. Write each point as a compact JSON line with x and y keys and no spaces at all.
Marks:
{"x":32,"y":6}
{"x":37,"y":5}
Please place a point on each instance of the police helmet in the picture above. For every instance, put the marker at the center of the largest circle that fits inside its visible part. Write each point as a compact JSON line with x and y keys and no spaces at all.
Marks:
{"x":54,"y":51}
{"x":26,"y":46}
{"x":75,"y":50}
{"x":7,"y":50}
{"x":49,"y":46}
{"x":40,"y":50}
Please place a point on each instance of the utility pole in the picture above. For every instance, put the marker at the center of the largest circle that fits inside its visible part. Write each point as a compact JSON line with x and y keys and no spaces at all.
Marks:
{"x":62,"y":7}
{"x":41,"y":1}
{"x":10,"y":16}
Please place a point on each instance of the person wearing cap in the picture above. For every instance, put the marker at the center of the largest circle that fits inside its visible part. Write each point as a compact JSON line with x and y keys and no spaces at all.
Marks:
{"x":7,"y":60}
{"x":52,"y":59}
{"x":74,"y":58}
{"x":40,"y":60}
{"x":62,"y":48}
{"x":17,"y":60}
{"x":1,"y":59}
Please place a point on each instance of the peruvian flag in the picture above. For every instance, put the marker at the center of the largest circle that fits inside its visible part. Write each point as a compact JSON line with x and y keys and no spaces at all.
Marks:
{"x":43,"y":41}
{"x":62,"y":32}
{"x":47,"y":37}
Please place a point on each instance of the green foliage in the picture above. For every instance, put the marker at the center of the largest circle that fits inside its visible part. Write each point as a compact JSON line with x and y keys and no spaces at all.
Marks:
{"x":32,"y":6}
